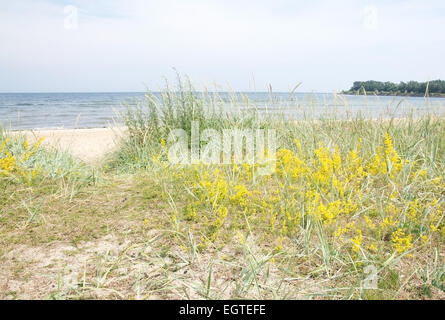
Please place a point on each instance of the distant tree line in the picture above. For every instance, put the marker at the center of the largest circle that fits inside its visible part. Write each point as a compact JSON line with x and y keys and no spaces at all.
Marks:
{"x":411,"y":87}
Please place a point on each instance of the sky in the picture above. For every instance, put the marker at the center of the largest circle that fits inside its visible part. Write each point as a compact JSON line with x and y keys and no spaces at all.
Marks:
{"x":133,"y":45}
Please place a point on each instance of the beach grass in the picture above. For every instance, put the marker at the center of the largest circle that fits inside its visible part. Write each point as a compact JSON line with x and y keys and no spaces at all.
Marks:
{"x":353,"y":210}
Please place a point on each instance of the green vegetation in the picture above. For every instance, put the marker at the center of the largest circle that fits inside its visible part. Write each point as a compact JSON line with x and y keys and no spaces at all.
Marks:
{"x":411,"y":88}
{"x":346,"y":195}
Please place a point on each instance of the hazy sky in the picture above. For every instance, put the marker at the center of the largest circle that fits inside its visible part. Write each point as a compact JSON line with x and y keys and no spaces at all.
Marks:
{"x":128,"y":45}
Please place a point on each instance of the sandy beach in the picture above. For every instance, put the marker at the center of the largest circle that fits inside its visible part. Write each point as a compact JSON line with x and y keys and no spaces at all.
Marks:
{"x":90,"y":145}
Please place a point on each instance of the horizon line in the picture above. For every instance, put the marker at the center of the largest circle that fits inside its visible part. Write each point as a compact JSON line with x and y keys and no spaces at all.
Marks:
{"x":241,"y":91}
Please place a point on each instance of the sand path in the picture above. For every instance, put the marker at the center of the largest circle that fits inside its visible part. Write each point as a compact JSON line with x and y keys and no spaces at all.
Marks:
{"x":90,"y":145}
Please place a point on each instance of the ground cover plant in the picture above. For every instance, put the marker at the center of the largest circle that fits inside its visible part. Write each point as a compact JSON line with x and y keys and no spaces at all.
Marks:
{"x":354,"y":209}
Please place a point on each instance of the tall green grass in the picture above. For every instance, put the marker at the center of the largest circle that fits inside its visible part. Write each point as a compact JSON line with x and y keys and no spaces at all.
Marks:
{"x":149,"y":124}
{"x":177,"y":107}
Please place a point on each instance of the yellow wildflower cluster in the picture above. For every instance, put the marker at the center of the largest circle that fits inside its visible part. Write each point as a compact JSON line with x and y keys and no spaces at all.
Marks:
{"x":327,"y":188}
{"x":386,"y":160}
{"x":18,"y":167}
{"x":241,"y":195}
{"x":401,"y":241}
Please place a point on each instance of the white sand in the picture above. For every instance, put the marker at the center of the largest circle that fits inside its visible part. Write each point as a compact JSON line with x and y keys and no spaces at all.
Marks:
{"x":90,"y":145}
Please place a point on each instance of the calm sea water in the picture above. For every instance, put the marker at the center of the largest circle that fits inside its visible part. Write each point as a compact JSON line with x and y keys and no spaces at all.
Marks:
{"x":91,"y":110}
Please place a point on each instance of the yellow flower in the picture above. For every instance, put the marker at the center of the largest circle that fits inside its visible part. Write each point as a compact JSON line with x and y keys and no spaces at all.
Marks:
{"x":342,"y":230}
{"x":386,"y":159}
{"x":357,"y":240}
{"x":369,"y":222}
{"x":401,"y":242}
{"x":372,"y":247}
{"x":413,"y":209}
{"x":241,"y":195}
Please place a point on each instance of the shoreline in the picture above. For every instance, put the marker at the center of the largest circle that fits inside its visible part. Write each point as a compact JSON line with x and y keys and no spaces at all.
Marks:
{"x":393,"y":94}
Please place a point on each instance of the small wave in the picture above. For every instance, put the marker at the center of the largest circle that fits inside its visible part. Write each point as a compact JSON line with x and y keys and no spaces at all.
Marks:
{"x":24,"y":104}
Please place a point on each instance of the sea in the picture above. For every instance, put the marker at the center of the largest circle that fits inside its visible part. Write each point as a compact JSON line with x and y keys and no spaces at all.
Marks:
{"x":20,"y":111}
